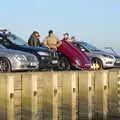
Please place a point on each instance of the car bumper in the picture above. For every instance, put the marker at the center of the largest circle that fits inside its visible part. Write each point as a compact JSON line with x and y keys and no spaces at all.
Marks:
{"x":108,"y":64}
{"x":83,"y":67}
{"x":25,"y":66}
{"x":48,"y":62}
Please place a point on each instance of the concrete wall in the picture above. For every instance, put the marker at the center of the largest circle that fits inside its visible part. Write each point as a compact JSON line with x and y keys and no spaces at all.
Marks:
{"x":60,"y":96}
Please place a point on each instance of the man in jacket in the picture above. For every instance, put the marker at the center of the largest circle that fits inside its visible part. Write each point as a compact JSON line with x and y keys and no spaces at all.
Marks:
{"x":34,"y":39}
{"x":51,"y":41}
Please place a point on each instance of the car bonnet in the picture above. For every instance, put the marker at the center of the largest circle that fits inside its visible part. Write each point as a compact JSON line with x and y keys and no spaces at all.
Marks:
{"x":14,"y":52}
{"x":36,"y":49}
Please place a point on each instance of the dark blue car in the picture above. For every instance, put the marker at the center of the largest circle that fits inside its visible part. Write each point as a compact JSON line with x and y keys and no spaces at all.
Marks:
{"x":47,"y":58}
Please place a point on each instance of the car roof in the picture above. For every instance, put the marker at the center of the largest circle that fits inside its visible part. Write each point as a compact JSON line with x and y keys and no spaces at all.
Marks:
{"x":78,"y":42}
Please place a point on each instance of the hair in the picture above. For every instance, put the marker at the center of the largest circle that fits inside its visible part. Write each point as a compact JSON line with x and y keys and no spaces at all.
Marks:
{"x":66,"y":34}
{"x":73,"y":37}
{"x":35,"y":32}
{"x":50,"y":32}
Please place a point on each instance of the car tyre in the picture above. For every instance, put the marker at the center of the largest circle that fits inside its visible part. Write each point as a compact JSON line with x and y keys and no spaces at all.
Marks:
{"x":64,"y":63}
{"x":98,"y":63}
{"x":5,"y":65}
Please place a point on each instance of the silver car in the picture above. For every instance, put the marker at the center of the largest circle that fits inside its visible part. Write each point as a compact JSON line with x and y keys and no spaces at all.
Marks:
{"x":115,"y":54}
{"x":99,"y":58}
{"x":13,"y":60}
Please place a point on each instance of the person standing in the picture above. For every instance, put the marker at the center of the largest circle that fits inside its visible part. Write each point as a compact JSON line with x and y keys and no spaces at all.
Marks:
{"x":66,"y":37}
{"x":73,"y":39}
{"x":51,"y":41}
{"x":34,"y":39}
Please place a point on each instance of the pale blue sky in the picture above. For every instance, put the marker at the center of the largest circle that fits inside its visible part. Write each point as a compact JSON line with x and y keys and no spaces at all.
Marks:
{"x":96,"y":21}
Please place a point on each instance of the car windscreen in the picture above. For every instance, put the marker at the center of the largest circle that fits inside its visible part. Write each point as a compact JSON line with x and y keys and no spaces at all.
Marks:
{"x":16,"y":40}
{"x":90,"y":47}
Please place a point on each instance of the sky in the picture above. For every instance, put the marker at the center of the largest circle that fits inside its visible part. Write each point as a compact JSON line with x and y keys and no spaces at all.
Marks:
{"x":94,"y":21}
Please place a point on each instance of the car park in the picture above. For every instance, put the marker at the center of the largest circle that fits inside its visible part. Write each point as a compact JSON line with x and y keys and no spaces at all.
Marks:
{"x":47,"y":58}
{"x":99,"y":58}
{"x":13,"y":60}
{"x":71,"y":58}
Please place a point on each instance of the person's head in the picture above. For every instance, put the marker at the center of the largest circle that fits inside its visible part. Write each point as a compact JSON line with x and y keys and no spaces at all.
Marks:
{"x":66,"y":35}
{"x":50,"y":32}
{"x":73,"y":38}
{"x":36,"y":34}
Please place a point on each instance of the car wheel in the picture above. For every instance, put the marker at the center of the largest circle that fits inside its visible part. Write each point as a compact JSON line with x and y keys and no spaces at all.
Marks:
{"x":5,"y":65}
{"x":97,"y":64}
{"x":64,"y":64}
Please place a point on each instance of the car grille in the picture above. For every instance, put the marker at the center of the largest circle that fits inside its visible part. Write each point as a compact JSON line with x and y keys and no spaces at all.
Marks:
{"x":54,"y":55}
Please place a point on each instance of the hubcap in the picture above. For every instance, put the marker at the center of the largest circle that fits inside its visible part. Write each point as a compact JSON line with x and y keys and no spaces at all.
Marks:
{"x":95,"y":65}
{"x":63,"y":64}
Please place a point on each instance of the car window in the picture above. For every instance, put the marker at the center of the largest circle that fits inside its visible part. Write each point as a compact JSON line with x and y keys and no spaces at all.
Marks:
{"x":16,"y":40}
{"x":82,"y":48}
{"x":89,"y":46}
{"x":4,"y":41}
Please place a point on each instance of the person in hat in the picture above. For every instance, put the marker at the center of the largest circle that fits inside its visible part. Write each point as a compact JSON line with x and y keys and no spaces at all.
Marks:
{"x":34,"y":39}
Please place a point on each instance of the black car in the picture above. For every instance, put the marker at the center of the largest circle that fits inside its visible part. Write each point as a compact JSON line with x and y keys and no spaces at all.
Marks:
{"x":47,"y":58}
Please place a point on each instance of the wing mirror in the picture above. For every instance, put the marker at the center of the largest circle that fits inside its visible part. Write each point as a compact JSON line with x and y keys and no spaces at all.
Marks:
{"x":83,"y":50}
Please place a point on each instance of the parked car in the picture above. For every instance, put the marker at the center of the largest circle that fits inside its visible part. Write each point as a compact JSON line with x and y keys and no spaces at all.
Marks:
{"x":13,"y":60}
{"x":70,"y":57}
{"x":115,"y":54}
{"x":47,"y":59}
{"x":99,"y":58}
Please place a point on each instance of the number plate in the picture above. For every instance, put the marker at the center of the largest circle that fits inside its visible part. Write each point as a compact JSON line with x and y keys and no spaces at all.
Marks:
{"x":33,"y":64}
{"x":54,"y":62}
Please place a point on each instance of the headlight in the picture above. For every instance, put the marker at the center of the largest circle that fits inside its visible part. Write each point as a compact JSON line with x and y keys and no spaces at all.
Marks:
{"x":21,"y":58}
{"x":43,"y":53}
{"x":77,"y":62}
{"x":108,"y":56}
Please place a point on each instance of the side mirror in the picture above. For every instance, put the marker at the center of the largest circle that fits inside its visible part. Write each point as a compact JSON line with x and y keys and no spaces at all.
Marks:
{"x":83,"y":50}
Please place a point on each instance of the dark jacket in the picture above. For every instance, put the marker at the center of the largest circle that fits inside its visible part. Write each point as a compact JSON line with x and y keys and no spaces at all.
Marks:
{"x":34,"y":42}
